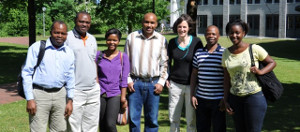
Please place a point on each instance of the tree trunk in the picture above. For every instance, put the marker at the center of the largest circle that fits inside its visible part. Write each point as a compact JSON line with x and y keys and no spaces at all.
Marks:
{"x":31,"y":20}
{"x":192,"y":11}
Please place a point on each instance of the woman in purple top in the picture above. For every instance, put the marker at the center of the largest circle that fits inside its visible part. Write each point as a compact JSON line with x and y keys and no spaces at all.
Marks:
{"x":113,"y":70}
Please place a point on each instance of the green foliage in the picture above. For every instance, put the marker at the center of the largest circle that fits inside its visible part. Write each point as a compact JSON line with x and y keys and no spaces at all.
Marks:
{"x":60,"y":10}
{"x":14,"y":19}
{"x":126,"y":15}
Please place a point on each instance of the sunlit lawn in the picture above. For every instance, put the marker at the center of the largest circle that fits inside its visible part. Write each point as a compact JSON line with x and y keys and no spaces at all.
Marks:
{"x":282,"y":116}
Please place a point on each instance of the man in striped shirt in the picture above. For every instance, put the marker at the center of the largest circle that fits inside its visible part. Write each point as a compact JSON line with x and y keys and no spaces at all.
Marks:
{"x":207,"y":99}
{"x":148,"y":72}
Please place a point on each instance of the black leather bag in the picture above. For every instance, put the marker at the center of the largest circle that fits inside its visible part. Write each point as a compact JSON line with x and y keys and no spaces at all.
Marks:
{"x":271,"y":86}
{"x":20,"y":87}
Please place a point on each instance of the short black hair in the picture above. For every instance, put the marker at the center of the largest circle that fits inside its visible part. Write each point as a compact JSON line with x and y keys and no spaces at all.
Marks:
{"x":239,"y":22}
{"x":183,"y":17}
{"x":59,"y":22}
{"x":81,"y":12}
{"x":113,"y":31}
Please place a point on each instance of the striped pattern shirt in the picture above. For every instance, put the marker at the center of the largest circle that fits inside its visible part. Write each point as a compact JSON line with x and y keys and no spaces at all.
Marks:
{"x":210,"y":73}
{"x":147,"y":56}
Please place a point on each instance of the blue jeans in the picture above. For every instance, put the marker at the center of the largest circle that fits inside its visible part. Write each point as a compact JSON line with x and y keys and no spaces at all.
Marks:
{"x":144,"y":95}
{"x":207,"y":114}
{"x":249,"y":112}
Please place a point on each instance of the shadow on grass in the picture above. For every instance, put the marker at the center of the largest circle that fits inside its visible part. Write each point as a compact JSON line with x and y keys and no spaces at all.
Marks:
{"x":283,"y":48}
{"x":283,"y":115}
{"x":12,"y":57}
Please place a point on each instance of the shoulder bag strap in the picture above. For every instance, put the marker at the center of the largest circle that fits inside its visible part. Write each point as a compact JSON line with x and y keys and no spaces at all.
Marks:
{"x":99,"y":58}
{"x":251,"y":55}
{"x":40,"y":55}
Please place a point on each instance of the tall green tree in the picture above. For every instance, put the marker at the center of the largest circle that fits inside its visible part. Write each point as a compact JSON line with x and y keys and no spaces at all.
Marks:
{"x":127,"y":14}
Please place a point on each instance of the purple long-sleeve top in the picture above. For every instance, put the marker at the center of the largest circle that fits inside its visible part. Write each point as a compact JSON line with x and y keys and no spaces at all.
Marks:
{"x":109,"y":72}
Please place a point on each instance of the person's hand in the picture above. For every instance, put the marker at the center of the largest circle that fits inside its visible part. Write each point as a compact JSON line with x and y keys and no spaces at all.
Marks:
{"x":158,"y":88}
{"x":229,"y":110}
{"x":222,"y":105}
{"x":31,"y":107}
{"x":124,"y":104}
{"x":194,"y":102}
{"x":255,"y":70}
{"x":168,"y":84}
{"x":130,"y":87}
{"x":69,"y":108}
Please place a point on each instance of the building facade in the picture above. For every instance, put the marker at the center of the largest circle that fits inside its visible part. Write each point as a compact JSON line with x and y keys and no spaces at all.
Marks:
{"x":266,"y":18}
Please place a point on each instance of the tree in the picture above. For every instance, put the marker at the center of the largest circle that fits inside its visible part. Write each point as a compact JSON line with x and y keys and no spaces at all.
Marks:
{"x":192,"y":11}
{"x":31,"y":15}
{"x":127,"y":14}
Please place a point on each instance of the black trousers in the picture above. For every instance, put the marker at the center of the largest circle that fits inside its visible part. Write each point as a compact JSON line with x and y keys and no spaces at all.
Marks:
{"x":208,"y":114}
{"x":109,"y":113}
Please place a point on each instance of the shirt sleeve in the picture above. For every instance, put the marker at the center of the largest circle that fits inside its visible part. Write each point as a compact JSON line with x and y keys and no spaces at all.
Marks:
{"x":125,"y":71}
{"x":261,"y":53}
{"x":127,"y":51}
{"x":70,"y":77}
{"x":224,"y":57}
{"x":170,"y":55}
{"x":27,"y":71}
{"x":198,"y":45}
{"x":195,"y":64}
{"x":163,"y":63}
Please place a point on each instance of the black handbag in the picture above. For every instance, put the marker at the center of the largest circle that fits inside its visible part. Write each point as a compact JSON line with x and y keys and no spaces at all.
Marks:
{"x":271,"y":86}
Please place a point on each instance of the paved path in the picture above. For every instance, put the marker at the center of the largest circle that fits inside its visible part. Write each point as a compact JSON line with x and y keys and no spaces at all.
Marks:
{"x":8,"y":92}
{"x":15,"y":40}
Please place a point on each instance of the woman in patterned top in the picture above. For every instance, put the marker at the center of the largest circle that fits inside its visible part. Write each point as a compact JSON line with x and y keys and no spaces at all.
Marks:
{"x":243,"y":97}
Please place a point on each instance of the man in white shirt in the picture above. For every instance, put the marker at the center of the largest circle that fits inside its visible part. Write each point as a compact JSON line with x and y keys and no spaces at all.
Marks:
{"x":148,"y":72}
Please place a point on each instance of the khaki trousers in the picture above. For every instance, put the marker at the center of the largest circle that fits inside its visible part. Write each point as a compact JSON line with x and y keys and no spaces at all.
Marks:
{"x":86,"y":110}
{"x":179,"y":94}
{"x":50,"y":109}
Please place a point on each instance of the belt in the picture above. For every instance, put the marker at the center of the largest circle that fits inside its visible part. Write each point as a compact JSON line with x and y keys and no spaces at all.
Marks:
{"x":50,"y":90}
{"x":145,"y":79}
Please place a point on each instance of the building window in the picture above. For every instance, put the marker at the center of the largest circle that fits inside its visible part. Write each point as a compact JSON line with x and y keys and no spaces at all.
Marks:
{"x":234,"y":2}
{"x":289,"y":1}
{"x":257,"y":1}
{"x":272,"y":25}
{"x":293,"y":26}
{"x":297,"y":0}
{"x":268,"y":1}
{"x":202,"y":25}
{"x":215,"y":2}
{"x":205,"y":2}
{"x":253,"y":23}
{"x":249,"y":1}
{"x":202,"y":2}
{"x":218,"y":21}
{"x":234,"y":17}
{"x":276,"y":1}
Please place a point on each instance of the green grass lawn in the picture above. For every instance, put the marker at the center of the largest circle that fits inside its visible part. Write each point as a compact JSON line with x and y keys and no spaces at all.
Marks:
{"x":282,"y":116}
